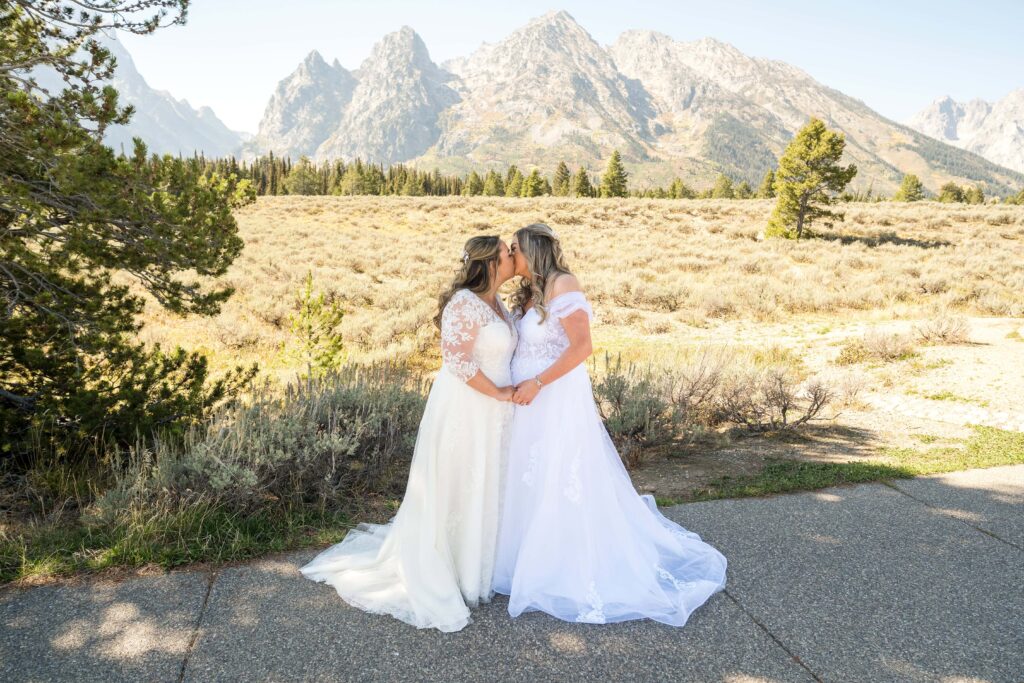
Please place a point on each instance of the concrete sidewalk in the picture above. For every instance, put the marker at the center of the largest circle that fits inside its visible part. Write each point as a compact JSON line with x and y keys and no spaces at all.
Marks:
{"x":920,"y":580}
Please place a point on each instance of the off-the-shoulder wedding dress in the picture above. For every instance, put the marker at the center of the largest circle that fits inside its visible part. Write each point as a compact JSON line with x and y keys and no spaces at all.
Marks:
{"x":575,"y":539}
{"x":435,"y":558}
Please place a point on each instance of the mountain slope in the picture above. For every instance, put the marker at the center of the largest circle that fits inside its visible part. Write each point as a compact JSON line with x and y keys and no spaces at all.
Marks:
{"x":992,"y":130}
{"x":394,"y":111}
{"x":546,"y":92}
{"x":307,"y":106}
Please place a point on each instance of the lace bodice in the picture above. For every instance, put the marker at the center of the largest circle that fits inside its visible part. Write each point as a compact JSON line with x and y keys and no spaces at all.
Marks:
{"x":541,"y":343}
{"x":474,"y":337}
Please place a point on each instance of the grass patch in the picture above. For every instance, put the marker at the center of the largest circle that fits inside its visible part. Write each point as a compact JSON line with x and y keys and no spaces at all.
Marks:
{"x":165,"y":537}
{"x":946,"y":395}
{"x":987,"y":447}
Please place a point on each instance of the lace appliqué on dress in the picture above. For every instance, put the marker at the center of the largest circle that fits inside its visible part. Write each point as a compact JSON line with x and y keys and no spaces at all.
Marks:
{"x":595,"y":615}
{"x":574,"y":488}
{"x":461,"y":321}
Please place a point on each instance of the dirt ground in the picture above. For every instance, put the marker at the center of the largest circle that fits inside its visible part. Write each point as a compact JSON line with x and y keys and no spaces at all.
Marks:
{"x":978,"y":382}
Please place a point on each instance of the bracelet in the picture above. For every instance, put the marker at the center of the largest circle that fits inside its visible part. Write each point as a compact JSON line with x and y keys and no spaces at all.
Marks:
{"x":537,"y":380}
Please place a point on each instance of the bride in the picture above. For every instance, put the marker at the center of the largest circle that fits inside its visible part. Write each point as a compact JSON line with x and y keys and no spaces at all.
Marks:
{"x":435,"y":558}
{"x":575,"y":539}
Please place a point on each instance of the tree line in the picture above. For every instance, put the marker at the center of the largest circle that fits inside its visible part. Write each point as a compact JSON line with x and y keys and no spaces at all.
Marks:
{"x":277,"y":175}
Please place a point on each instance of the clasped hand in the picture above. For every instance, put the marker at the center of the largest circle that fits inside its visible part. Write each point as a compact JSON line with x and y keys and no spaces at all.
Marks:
{"x":522,"y":393}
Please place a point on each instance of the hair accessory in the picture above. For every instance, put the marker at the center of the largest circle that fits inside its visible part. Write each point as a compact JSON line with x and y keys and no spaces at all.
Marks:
{"x":465,"y":256}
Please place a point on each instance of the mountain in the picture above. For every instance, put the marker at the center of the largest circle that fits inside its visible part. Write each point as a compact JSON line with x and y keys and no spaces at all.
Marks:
{"x":304,"y":110}
{"x":167,"y":125}
{"x":395,"y":108}
{"x":549,"y":92}
{"x":992,"y":130}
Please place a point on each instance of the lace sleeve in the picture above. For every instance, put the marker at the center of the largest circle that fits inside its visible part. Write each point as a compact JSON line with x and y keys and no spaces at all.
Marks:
{"x":460,"y":323}
{"x":568,"y":303}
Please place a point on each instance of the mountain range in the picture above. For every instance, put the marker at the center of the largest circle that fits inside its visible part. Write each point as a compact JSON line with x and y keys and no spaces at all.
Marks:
{"x":549,"y":92}
{"x":994,"y":130}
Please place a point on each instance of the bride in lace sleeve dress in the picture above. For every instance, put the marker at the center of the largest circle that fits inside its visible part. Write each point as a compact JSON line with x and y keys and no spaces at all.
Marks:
{"x":435,"y":558}
{"x":576,"y":540}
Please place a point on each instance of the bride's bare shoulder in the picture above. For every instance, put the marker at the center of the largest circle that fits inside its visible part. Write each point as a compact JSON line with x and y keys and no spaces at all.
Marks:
{"x":562,"y":284}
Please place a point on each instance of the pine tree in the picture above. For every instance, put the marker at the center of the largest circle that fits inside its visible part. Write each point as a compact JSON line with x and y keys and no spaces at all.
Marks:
{"x":493,"y":185}
{"x":317,"y":342}
{"x":563,"y":179}
{"x":808,"y":179}
{"x":533,"y":186}
{"x":911,"y":189}
{"x":767,"y":188}
{"x":951,"y":193}
{"x":974,"y":195}
{"x":680,"y":190}
{"x":84,"y":232}
{"x":722,"y":189}
{"x":303,"y":178}
{"x":614,"y":180}
{"x":514,"y":187}
{"x":474,"y":185}
{"x":743,"y":191}
{"x":510,"y":173}
{"x":581,"y":186}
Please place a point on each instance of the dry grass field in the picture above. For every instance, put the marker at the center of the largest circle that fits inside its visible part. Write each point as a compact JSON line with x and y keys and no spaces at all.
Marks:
{"x":668,"y":277}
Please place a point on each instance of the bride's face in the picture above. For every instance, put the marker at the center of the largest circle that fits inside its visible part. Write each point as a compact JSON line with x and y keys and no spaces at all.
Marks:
{"x":506,"y":265}
{"x":519,"y":260}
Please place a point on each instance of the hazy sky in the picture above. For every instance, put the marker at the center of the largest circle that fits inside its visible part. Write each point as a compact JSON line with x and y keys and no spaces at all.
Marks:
{"x":897,"y":56}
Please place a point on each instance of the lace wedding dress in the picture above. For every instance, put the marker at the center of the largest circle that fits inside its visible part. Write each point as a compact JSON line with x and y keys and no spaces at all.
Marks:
{"x":575,"y":539}
{"x":435,"y":558}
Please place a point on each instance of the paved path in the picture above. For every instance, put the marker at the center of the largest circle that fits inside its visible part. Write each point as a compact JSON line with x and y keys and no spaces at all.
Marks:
{"x":921,"y":580}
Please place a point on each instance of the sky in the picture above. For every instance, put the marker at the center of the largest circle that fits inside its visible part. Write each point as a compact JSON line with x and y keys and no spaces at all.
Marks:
{"x":897,"y":56}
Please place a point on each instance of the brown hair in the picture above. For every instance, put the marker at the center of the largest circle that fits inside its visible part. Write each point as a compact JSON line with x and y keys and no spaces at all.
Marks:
{"x":479,"y":267}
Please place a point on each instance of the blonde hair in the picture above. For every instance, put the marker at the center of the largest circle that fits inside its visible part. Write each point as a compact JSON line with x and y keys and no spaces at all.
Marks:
{"x":479,"y":267}
{"x":543,"y":253}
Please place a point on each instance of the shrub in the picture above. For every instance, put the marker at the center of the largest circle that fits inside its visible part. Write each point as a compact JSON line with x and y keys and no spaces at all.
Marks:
{"x":771,"y":399}
{"x":945,"y":329}
{"x":322,"y":439}
{"x":877,"y":346}
{"x":634,"y":403}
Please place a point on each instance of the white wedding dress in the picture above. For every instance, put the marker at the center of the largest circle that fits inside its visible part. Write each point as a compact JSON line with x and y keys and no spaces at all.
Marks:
{"x":575,"y":539}
{"x":435,"y":558}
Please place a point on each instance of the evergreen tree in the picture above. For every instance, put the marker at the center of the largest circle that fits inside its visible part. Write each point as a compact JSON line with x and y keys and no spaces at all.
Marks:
{"x":614,"y":180}
{"x":680,"y":190}
{"x":514,"y":187}
{"x":510,"y":173}
{"x":474,"y":185}
{"x":974,"y":195}
{"x":743,"y":191}
{"x":413,"y":185}
{"x":767,"y":188}
{"x":951,"y":193}
{"x":533,"y":186}
{"x":314,"y":325}
{"x":563,"y":179}
{"x":303,"y":178}
{"x":722,"y":189}
{"x":808,"y":178}
{"x":581,"y":186}
{"x":493,"y":185}
{"x":911,"y":189}
{"x":78,"y":223}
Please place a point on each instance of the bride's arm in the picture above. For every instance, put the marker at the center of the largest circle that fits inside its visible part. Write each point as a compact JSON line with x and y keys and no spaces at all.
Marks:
{"x":460,"y":324}
{"x":577,"y":330}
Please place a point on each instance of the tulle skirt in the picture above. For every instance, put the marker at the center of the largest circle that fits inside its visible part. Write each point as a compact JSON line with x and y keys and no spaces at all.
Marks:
{"x":434,"y":560}
{"x":575,"y":539}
